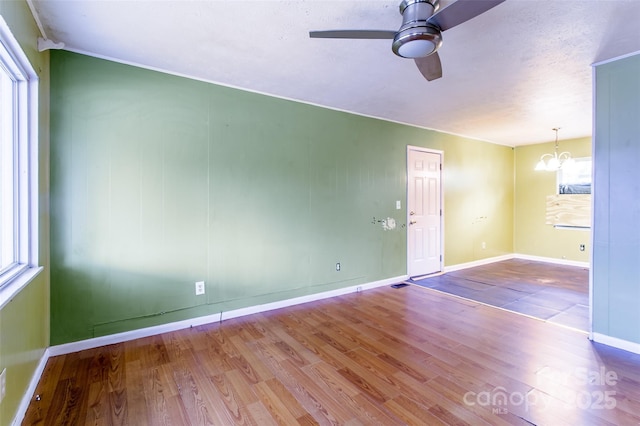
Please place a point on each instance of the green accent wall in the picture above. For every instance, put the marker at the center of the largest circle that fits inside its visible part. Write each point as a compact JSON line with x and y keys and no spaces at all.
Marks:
{"x":160,"y":181}
{"x":24,"y":320}
{"x":616,"y":238}
{"x":532,"y":235}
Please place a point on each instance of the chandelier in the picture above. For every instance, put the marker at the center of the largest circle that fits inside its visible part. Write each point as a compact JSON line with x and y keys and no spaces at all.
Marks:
{"x":555,"y":161}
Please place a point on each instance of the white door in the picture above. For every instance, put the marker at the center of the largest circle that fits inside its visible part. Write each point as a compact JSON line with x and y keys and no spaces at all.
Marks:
{"x":424,"y":208}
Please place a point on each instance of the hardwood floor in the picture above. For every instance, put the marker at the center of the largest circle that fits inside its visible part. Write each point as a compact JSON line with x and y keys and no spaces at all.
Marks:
{"x":550,"y":292}
{"x":384,"y":356}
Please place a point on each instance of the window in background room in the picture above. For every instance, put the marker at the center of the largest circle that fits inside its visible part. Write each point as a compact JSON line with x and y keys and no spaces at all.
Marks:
{"x":18,"y":160}
{"x":575,"y":177}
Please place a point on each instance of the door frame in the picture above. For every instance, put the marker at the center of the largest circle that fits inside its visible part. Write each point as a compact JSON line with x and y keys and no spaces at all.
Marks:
{"x":406,"y":202}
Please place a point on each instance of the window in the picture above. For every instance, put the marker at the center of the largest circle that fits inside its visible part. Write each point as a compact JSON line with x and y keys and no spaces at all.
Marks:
{"x":575,"y":177}
{"x":18,"y":163}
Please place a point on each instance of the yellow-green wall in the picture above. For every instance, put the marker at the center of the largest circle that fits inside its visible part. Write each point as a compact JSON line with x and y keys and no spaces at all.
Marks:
{"x":479,"y":191}
{"x":532,"y":236}
{"x":24,"y":321}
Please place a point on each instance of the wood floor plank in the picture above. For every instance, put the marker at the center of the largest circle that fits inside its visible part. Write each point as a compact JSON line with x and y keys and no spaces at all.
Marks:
{"x":260,"y":415}
{"x":248,"y":362}
{"x":192,"y":400}
{"x":304,"y":336}
{"x":375,"y":413}
{"x":327,"y":375}
{"x":279,"y":385}
{"x":162,"y":398}
{"x":229,"y":396}
{"x":293,"y":404}
{"x":384,"y":356}
{"x":98,"y":411}
{"x":245,"y":394}
{"x":290,"y":347}
{"x":373,"y":385}
{"x":118,"y":408}
{"x":274,"y":402}
{"x":214,"y":359}
{"x":199,"y":398}
{"x":69,"y":400}
{"x":136,"y":402}
{"x":349,"y":394}
{"x":116,"y":369}
{"x":412,"y":412}
{"x":314,"y":398}
{"x":364,"y":384}
{"x":373,"y":364}
{"x":155,"y":352}
{"x":220,"y":336}
{"x":360,"y":337}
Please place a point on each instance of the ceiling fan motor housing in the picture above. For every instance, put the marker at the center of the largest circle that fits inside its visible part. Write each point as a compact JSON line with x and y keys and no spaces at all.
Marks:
{"x":416,"y":37}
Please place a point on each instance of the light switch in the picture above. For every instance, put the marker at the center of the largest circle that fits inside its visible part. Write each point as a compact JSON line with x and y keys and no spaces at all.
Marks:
{"x":398,"y":205}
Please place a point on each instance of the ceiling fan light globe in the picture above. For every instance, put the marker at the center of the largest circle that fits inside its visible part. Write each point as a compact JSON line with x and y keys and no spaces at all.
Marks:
{"x":416,"y":48}
{"x":416,"y":42}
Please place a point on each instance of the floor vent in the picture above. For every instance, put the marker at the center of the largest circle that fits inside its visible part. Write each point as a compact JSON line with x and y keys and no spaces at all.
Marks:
{"x":399,"y":285}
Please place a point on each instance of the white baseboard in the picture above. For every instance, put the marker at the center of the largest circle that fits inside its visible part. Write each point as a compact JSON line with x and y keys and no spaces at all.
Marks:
{"x":475,"y":263}
{"x":489,"y":260}
{"x":111,"y":339}
{"x":33,"y":384}
{"x":625,"y":345}
{"x":552,"y":260}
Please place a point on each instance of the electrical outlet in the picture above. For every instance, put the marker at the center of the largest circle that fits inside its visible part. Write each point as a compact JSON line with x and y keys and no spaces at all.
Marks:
{"x":199,"y":288}
{"x":338,"y":266}
{"x":484,"y":245}
{"x":582,"y":247}
{"x":3,"y":384}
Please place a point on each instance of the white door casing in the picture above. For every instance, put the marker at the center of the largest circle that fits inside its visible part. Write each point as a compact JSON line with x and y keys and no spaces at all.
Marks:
{"x":424,"y":211}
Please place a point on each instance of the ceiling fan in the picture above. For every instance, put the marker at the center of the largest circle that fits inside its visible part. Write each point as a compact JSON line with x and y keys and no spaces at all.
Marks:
{"x":420,"y":36}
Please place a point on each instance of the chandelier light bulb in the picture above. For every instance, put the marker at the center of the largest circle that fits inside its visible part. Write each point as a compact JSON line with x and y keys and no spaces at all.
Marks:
{"x":555,"y":161}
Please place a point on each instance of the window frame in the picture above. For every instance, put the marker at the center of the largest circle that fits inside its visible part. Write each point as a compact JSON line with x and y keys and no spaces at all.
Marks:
{"x":559,"y":180}
{"x":24,"y":137}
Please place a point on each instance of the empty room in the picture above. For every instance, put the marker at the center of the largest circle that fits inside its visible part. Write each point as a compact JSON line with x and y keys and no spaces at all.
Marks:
{"x":319,"y":212}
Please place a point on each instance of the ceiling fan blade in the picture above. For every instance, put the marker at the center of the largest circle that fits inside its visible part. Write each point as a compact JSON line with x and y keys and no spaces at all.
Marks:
{"x":359,"y":34}
{"x":430,"y":66}
{"x":461,"y":11}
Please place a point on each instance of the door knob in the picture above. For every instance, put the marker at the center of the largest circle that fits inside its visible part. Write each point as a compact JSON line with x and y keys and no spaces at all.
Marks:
{"x":412,"y":222}
{"x":411,"y":213}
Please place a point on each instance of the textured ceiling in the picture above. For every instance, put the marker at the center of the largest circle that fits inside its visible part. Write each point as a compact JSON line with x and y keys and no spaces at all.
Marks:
{"x":509,"y":75}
